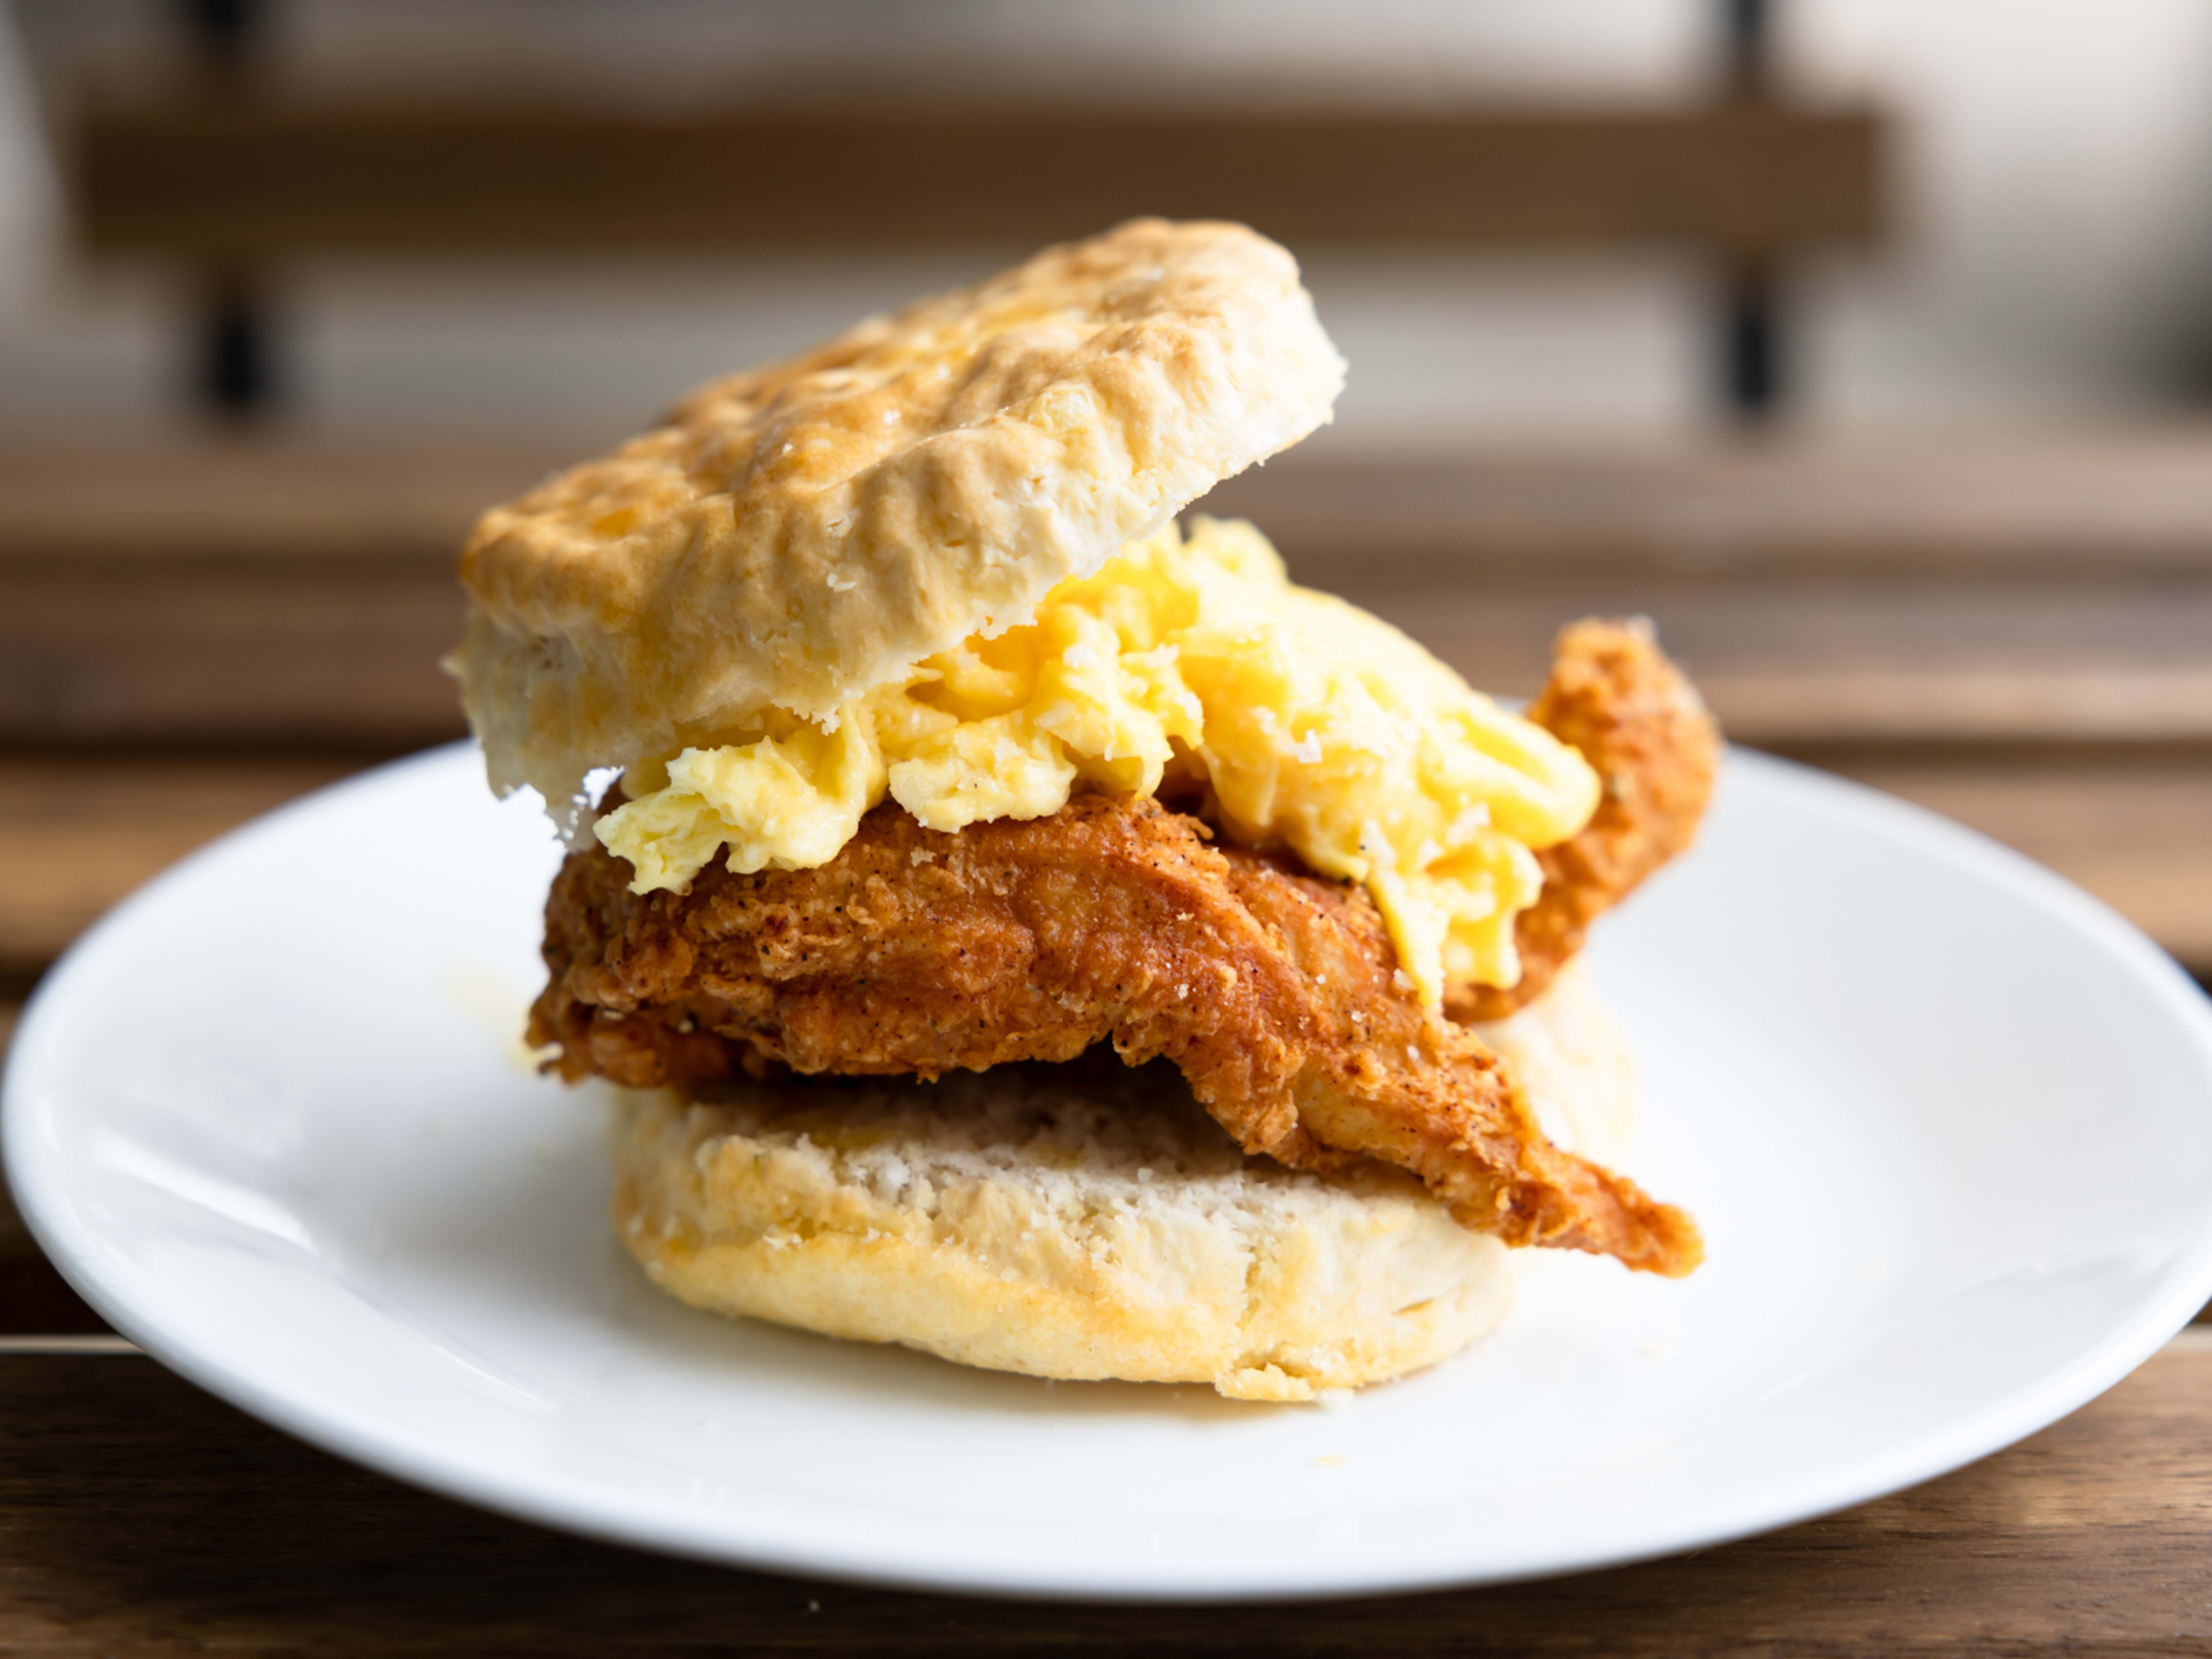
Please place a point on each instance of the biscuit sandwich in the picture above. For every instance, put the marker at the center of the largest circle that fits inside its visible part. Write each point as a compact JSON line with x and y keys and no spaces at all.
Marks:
{"x":1022,"y":927}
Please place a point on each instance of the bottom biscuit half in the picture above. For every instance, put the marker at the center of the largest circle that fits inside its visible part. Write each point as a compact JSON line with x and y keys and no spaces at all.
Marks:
{"x":1048,"y":1220}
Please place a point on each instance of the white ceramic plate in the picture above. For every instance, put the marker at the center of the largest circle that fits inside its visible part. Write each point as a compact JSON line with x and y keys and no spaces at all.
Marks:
{"x":1947,"y":1122}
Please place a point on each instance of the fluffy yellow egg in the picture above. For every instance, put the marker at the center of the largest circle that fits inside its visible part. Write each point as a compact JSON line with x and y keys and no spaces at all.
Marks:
{"x":1315,"y":724}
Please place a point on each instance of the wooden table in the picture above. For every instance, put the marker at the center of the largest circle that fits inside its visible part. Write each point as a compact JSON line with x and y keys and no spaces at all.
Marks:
{"x":2019,"y":635}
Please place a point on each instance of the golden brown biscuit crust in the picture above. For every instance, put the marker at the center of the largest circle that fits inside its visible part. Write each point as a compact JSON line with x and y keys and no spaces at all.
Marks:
{"x":799,"y":533}
{"x":1075,"y":1222}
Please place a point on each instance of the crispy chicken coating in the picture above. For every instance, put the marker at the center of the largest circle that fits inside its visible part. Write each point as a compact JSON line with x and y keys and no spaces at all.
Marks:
{"x":1638,"y":720}
{"x":1276,"y":994}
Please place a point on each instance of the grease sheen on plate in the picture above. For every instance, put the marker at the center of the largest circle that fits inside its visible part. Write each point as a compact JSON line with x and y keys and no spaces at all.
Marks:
{"x":1948,"y":1124}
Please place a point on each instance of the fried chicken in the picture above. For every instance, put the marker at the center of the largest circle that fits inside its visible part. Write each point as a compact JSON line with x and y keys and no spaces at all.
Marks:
{"x":1276,"y":994}
{"x":1614,"y":695}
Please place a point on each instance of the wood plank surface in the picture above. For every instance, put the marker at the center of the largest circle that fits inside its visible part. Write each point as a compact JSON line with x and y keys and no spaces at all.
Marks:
{"x":138,"y":1517}
{"x":34,"y":1299}
{"x":229,"y":503}
{"x":243,"y":179}
{"x":229,"y":601}
{"x":76,"y":838}
{"x":2116,"y":503}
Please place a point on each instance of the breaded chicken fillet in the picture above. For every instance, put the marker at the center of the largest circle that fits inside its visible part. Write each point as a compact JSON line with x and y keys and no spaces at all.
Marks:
{"x":1637,"y":719}
{"x":1278,"y":993}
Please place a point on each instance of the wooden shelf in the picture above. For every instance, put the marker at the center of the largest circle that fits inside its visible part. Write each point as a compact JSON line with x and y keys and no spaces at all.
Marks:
{"x":2106,"y":503}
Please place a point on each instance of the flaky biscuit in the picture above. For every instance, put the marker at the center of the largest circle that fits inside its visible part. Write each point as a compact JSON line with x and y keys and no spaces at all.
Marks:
{"x":1075,"y":1222}
{"x":802,"y":533}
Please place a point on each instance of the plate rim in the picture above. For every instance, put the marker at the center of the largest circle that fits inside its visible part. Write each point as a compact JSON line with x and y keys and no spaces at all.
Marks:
{"x":779,"y":1547}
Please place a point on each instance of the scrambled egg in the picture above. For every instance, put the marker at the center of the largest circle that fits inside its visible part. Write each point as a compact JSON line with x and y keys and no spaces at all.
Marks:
{"x":1315,"y":724}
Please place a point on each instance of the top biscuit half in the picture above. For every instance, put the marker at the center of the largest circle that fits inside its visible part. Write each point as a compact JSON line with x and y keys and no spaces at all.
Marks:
{"x":799,"y":534}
